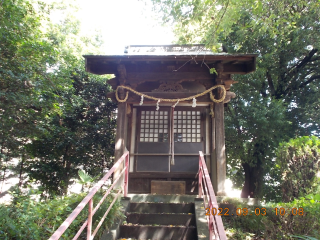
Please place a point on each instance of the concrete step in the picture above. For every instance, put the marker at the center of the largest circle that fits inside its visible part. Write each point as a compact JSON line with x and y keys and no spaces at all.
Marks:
{"x":142,"y":232}
{"x":157,"y":198}
{"x":161,"y":219}
{"x":161,"y":207}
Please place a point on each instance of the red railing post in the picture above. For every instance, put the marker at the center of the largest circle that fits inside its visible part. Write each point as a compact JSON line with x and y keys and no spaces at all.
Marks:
{"x":89,"y":200}
{"x":211,"y":228}
{"x":126,"y":175}
{"x":200,"y":177}
{"x":215,"y":224}
{"x":89,"y":227}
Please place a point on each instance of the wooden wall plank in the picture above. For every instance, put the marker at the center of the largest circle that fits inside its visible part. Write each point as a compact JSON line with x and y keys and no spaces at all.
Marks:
{"x":168,"y":187}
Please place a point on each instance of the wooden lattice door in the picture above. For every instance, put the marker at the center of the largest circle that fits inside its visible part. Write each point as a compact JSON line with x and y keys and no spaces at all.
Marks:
{"x":188,"y":139}
{"x":153,"y":141}
{"x":169,"y":141}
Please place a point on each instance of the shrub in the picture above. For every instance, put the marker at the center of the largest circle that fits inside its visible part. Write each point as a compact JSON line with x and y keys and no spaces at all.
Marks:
{"x":287,"y":224}
{"x":291,"y":222}
{"x":299,"y":161}
{"x":26,"y":218}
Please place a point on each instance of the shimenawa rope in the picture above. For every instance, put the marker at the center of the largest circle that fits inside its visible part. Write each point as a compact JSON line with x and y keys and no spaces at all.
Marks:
{"x":171,"y":100}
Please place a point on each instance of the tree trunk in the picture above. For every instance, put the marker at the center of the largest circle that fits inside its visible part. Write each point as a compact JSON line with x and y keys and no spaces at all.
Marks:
{"x":253,"y":183}
{"x":248,"y":189}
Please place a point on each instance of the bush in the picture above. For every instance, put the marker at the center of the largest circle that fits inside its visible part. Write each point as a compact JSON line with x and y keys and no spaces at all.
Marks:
{"x":293,"y":222}
{"x":26,"y":218}
{"x":290,"y":224}
{"x":299,"y":161}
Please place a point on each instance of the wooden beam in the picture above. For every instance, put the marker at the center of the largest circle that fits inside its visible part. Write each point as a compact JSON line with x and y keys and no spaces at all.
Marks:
{"x":140,"y":76}
{"x":168,"y":187}
{"x":162,"y":175}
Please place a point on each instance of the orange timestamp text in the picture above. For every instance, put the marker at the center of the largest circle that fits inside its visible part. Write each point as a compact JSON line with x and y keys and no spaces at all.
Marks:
{"x":294,"y":211}
{"x":246,"y":212}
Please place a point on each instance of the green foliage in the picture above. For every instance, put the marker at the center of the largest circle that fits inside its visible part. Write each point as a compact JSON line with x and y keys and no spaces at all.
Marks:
{"x":29,"y":219}
{"x":307,"y":225}
{"x":85,"y":178}
{"x":81,"y":135}
{"x":280,"y":100}
{"x":46,"y":98}
{"x":254,"y":129}
{"x":299,"y":163}
{"x":25,"y":55}
{"x":213,"y":71}
{"x":290,"y":224}
{"x":303,"y":237}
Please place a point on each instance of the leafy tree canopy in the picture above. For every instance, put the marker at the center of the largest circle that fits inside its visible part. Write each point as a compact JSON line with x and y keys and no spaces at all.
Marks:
{"x":278,"y":101}
{"x":47,"y":101}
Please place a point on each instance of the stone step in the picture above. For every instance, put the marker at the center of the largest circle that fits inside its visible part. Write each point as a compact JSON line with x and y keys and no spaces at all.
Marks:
{"x":142,"y":232}
{"x":161,"y":219}
{"x":161,"y":207}
{"x":159,"y":198}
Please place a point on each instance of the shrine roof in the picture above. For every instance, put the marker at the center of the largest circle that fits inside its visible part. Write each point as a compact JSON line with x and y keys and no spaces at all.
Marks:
{"x":170,"y":54}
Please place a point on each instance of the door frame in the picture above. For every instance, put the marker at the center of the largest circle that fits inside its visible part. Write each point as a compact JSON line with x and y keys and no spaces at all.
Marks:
{"x":136,"y":134}
{"x":140,"y":182}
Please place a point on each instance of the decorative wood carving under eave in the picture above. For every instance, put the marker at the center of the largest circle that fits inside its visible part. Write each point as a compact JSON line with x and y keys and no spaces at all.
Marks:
{"x":148,"y":76}
{"x":228,"y":83}
{"x":229,"y":96}
{"x":166,"y":86}
{"x":206,"y":83}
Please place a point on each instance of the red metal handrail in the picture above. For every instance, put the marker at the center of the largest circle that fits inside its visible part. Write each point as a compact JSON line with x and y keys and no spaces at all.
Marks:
{"x":206,"y":190}
{"x":89,"y":199}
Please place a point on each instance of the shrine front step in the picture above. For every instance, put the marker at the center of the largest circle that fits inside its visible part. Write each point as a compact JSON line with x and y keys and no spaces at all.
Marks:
{"x":158,"y":198}
{"x":154,"y":207}
{"x":158,"y":232}
{"x":160,"y":217}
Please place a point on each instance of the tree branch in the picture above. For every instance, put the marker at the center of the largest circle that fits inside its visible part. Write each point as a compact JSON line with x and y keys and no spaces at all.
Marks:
{"x":307,"y":58}
{"x":302,"y":85}
{"x":35,"y":108}
{"x":309,"y":81}
{"x":303,"y":62}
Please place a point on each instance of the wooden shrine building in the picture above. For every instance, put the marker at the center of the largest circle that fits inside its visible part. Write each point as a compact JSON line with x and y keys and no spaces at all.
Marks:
{"x":166,"y":114}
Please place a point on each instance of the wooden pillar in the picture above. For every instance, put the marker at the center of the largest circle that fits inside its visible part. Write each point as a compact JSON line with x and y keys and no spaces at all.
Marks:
{"x":213,"y":154}
{"x":220,"y":137}
{"x":120,"y":143}
{"x":121,"y":134}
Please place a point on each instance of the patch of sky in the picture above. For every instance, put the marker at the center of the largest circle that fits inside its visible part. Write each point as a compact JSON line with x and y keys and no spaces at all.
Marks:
{"x":123,"y":22}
